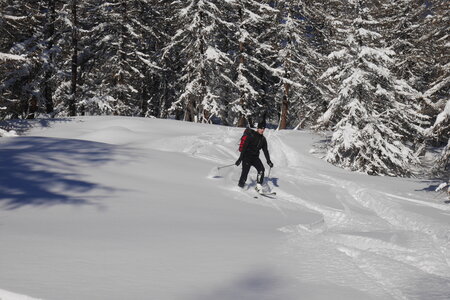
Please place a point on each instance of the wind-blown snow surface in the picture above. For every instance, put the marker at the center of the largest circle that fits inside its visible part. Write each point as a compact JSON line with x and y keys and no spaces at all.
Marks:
{"x":132,"y":208}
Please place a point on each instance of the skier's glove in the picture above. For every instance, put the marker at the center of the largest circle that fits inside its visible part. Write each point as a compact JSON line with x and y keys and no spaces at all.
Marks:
{"x":270,"y":164}
{"x":238,"y":162}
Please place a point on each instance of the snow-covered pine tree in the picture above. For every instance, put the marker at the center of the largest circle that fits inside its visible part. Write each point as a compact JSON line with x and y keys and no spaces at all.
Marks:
{"x":76,"y":59}
{"x":420,"y":38}
{"x":405,"y":24}
{"x":8,"y":62}
{"x":439,"y":131}
{"x":50,"y":51}
{"x":297,"y":62}
{"x":286,"y":32}
{"x":201,"y":63}
{"x":11,"y":29}
{"x":150,"y":18}
{"x":436,"y":43}
{"x":371,"y":114}
{"x":437,"y":39}
{"x":403,"y":28}
{"x":112,"y":61}
{"x":29,"y":30}
{"x":253,"y":18}
{"x":439,"y":90}
{"x":74,"y":34}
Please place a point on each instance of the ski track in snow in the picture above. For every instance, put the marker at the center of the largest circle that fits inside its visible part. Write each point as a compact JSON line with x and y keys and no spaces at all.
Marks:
{"x":382,"y":258}
{"x":392,"y":259}
{"x":386,"y":245}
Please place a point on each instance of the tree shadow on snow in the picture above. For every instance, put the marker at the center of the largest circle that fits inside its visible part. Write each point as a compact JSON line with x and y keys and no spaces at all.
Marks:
{"x":255,"y":285}
{"x":268,"y":284}
{"x":23,"y":125}
{"x":40,"y":171}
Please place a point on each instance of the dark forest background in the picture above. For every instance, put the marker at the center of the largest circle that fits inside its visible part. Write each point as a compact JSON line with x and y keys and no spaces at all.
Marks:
{"x":374,"y":73}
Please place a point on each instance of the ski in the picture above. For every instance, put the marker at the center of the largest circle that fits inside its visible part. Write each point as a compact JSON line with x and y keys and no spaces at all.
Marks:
{"x":267,"y":194}
{"x":261,"y":192}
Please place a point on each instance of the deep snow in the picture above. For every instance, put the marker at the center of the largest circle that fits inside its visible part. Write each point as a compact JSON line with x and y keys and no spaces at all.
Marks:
{"x":133,"y":208}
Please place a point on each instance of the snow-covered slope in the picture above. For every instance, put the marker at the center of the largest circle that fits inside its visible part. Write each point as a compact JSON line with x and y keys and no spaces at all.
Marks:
{"x":133,"y":208}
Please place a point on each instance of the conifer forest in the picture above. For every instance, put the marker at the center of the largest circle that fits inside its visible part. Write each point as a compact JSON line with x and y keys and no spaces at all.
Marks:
{"x":374,"y":75}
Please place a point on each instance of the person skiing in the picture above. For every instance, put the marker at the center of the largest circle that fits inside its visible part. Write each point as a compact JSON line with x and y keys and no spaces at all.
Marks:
{"x":250,"y":155}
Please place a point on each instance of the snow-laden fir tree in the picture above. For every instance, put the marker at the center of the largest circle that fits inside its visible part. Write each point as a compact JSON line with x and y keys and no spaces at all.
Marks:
{"x":372,"y":113}
{"x":151,"y":18}
{"x":253,"y":18}
{"x":439,"y":130}
{"x":67,"y":92}
{"x":113,"y":62}
{"x":405,"y":28}
{"x":296,"y":62}
{"x":11,"y":24}
{"x":77,"y":62}
{"x":8,"y":62}
{"x":201,"y":64}
{"x":420,"y":39}
{"x":437,"y":41}
{"x":436,"y":96}
{"x":289,"y":60}
{"x":28,"y":30}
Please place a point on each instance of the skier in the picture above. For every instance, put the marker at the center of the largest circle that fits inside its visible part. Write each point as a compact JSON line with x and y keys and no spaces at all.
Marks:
{"x":250,"y":155}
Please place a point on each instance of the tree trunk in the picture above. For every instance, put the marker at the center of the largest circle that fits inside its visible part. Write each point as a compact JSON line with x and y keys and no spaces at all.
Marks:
{"x":73,"y":89}
{"x":32,"y":107}
{"x":285,"y":101}
{"x":284,"y":107}
{"x":122,"y":54}
{"x":189,"y":113}
{"x":241,"y":121}
{"x":49,"y":37}
{"x":144,"y":102}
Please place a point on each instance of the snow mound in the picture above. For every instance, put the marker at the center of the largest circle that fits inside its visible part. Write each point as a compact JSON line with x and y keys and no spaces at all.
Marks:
{"x":4,"y":133}
{"x":137,"y":208}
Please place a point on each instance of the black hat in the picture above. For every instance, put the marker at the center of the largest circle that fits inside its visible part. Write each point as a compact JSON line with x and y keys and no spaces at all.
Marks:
{"x":262,"y":124}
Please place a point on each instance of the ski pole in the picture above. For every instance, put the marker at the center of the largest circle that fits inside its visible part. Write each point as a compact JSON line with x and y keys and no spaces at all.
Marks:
{"x":268,"y":175}
{"x":221,"y":167}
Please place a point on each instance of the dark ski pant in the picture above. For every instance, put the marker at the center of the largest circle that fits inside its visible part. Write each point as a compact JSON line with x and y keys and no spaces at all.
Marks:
{"x":246,"y":164}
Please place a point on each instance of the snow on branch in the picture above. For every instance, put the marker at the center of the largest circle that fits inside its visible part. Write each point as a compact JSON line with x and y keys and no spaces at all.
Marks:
{"x":12,"y":57}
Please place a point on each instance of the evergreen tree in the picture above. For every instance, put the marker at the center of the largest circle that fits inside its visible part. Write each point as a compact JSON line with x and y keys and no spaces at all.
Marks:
{"x":439,"y":130}
{"x":253,"y":50}
{"x":372,"y":113}
{"x":437,"y":40}
{"x":404,"y":29}
{"x":297,"y":62}
{"x":29,"y":30}
{"x":72,"y":26}
{"x":112,"y":59}
{"x":421,"y":41}
{"x":201,"y":63}
{"x":151,"y":19}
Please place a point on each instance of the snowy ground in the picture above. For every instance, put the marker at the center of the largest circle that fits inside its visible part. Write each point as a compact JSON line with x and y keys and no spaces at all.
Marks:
{"x":132,"y":208}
